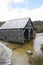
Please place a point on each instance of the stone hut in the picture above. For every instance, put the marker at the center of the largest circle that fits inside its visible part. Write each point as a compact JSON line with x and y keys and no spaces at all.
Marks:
{"x":17,"y":30}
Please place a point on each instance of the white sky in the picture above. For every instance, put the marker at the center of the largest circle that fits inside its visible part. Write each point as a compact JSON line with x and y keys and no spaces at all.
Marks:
{"x":7,"y":14}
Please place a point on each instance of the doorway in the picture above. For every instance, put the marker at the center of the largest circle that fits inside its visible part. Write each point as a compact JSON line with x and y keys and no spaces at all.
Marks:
{"x":26,"y":34}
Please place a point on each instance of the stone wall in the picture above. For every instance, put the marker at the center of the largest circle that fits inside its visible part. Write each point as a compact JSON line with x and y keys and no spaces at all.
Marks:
{"x":12,"y":35}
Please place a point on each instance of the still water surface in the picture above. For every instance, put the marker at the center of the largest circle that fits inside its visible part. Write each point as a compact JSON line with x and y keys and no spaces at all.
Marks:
{"x":38,"y":42}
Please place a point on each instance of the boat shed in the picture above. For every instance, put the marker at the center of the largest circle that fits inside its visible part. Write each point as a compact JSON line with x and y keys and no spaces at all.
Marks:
{"x":17,"y":30}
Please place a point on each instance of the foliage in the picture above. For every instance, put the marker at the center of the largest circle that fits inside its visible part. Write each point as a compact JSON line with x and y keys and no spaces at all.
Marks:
{"x":38,"y":25}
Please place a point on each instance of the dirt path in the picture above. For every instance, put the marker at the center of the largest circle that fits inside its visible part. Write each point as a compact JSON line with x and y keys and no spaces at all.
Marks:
{"x":19,"y":56}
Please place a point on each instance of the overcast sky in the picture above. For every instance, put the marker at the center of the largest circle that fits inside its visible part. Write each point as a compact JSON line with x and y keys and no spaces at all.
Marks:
{"x":11,"y":9}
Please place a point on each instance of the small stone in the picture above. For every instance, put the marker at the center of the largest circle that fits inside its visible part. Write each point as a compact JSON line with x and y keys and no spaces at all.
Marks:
{"x":29,"y":52}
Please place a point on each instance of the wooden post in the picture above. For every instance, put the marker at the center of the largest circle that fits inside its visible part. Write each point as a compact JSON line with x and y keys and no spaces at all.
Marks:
{"x":29,"y":34}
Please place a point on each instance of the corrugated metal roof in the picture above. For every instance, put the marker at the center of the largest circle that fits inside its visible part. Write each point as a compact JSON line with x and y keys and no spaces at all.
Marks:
{"x":16,"y":23}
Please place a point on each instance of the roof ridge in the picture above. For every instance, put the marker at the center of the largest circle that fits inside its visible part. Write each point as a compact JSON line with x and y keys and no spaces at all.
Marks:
{"x":18,"y":19}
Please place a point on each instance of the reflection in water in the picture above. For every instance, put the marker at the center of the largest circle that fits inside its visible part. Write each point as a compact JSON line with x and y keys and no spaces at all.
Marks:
{"x":38,"y":42}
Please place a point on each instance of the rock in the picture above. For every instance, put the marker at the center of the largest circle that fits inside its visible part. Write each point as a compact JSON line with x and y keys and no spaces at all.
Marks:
{"x":29,"y":52}
{"x":5,"y":54}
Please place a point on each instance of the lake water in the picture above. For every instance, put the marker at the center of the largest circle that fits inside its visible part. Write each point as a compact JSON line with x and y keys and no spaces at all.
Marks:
{"x":38,"y":42}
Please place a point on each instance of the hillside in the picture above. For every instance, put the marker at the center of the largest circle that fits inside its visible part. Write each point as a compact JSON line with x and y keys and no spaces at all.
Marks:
{"x":1,"y":23}
{"x":38,"y":26}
